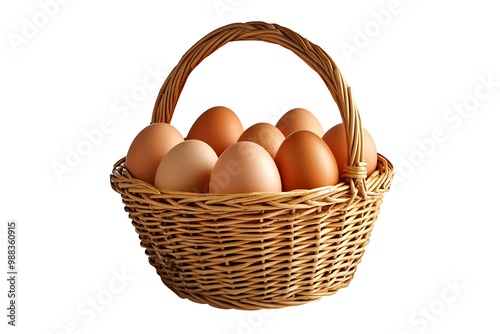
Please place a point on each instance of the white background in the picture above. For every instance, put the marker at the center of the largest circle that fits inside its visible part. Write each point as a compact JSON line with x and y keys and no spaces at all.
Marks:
{"x":68,"y":68}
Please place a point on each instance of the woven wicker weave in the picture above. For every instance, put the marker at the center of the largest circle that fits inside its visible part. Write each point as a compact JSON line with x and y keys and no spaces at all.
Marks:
{"x":258,"y":250}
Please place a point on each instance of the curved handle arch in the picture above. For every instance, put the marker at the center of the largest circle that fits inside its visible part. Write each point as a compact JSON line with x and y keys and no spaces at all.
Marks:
{"x":310,"y":53}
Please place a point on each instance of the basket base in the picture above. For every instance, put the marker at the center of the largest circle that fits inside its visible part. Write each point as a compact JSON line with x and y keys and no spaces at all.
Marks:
{"x":252,"y":300}
{"x":234,"y":302}
{"x":239,"y":302}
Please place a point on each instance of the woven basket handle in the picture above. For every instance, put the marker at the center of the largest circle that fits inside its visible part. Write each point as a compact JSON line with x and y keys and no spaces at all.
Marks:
{"x":312,"y":54}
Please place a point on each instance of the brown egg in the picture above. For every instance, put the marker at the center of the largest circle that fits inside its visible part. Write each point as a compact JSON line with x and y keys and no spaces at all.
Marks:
{"x":299,"y":119}
{"x":245,"y":167}
{"x":148,"y":148}
{"x":266,"y":135}
{"x":186,"y":167}
{"x":219,"y":127}
{"x":306,"y":162}
{"x":335,"y":138}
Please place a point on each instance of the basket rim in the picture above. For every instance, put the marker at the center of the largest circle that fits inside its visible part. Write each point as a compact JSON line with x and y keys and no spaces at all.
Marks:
{"x":385,"y":170}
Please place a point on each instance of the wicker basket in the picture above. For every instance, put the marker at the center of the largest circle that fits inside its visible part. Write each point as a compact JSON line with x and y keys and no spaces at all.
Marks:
{"x":258,"y":250}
